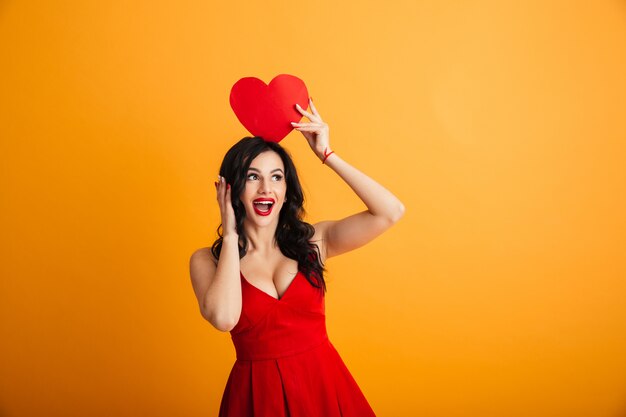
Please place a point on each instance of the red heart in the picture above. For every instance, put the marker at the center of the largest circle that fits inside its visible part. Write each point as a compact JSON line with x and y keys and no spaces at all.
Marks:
{"x":268,"y":110}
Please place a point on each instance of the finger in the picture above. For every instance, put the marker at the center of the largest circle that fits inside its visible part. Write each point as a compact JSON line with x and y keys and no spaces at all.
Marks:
{"x":308,"y":129}
{"x":217,"y":190}
{"x":306,"y":113}
{"x":306,"y":124}
{"x":224,"y":190}
{"x":313,"y":109}
{"x":229,"y":201}
{"x":219,"y":195}
{"x":220,"y":189}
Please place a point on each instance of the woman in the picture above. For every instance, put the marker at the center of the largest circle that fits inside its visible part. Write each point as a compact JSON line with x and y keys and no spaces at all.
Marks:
{"x":262,"y":280}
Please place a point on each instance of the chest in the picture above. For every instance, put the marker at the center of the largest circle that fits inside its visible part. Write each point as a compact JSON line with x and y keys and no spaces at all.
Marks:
{"x":272,"y":276}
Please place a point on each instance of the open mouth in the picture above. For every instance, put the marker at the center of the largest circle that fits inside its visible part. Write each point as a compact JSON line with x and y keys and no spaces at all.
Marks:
{"x":263,"y":208}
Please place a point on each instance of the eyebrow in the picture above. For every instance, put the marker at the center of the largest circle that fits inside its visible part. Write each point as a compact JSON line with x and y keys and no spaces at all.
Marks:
{"x":254,"y":169}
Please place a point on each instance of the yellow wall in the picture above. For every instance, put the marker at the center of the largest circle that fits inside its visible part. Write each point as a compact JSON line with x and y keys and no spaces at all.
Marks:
{"x":501,"y":128}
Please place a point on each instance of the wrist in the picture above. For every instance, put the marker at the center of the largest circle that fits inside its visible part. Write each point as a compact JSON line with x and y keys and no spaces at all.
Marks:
{"x":230,"y":236}
{"x":324,"y":156}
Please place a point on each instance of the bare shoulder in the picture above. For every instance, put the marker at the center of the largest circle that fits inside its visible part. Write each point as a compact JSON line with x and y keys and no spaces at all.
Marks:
{"x":202,"y":255}
{"x":202,"y":267}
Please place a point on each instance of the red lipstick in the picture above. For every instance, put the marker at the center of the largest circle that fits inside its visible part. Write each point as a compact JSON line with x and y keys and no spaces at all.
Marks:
{"x":263,"y":202}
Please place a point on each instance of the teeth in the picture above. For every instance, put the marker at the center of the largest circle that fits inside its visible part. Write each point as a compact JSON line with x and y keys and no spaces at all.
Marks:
{"x":264,"y":202}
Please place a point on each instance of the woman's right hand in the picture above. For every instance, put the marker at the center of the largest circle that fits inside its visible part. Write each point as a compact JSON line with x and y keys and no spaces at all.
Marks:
{"x":226,"y":207}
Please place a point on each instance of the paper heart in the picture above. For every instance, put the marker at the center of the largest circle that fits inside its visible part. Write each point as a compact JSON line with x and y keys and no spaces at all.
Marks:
{"x":268,"y":110}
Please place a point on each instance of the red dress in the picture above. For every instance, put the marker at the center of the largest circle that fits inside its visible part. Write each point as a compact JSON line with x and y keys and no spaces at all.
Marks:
{"x":286,"y":366}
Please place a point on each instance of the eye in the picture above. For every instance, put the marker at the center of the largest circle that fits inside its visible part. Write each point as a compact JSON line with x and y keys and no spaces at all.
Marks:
{"x":250,"y":175}
{"x":280,"y":177}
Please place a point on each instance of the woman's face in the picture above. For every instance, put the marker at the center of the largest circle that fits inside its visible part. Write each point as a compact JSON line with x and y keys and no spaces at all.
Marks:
{"x":265,"y":181}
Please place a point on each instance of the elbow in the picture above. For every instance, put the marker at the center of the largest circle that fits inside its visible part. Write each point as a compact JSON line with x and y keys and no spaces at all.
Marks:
{"x":224,"y":326}
{"x":221,"y":323}
{"x":398,"y":213}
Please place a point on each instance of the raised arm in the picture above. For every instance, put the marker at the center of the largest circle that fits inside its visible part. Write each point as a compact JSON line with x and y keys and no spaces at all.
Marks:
{"x":216,"y":283}
{"x":383,"y":208}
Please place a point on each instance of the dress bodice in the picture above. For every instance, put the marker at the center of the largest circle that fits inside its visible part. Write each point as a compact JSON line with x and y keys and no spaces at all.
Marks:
{"x":270,"y":328}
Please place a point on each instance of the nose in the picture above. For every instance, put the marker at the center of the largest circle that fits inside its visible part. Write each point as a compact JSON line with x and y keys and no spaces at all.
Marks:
{"x":265,"y":186}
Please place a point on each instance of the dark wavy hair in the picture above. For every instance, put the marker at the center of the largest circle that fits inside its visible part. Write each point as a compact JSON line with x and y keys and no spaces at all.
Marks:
{"x":292,"y":233}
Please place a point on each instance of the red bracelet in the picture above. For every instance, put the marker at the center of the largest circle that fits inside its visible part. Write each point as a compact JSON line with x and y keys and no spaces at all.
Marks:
{"x":326,"y":156}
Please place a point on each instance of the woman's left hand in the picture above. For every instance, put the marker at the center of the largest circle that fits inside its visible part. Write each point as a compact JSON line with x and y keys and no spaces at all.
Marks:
{"x":315,"y":132}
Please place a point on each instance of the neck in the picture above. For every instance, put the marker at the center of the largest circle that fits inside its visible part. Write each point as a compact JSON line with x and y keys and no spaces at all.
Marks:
{"x":261,"y":239}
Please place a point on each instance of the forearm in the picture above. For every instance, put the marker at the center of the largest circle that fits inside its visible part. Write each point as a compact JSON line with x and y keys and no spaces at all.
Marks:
{"x":379,"y":201}
{"x":222,"y":301}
